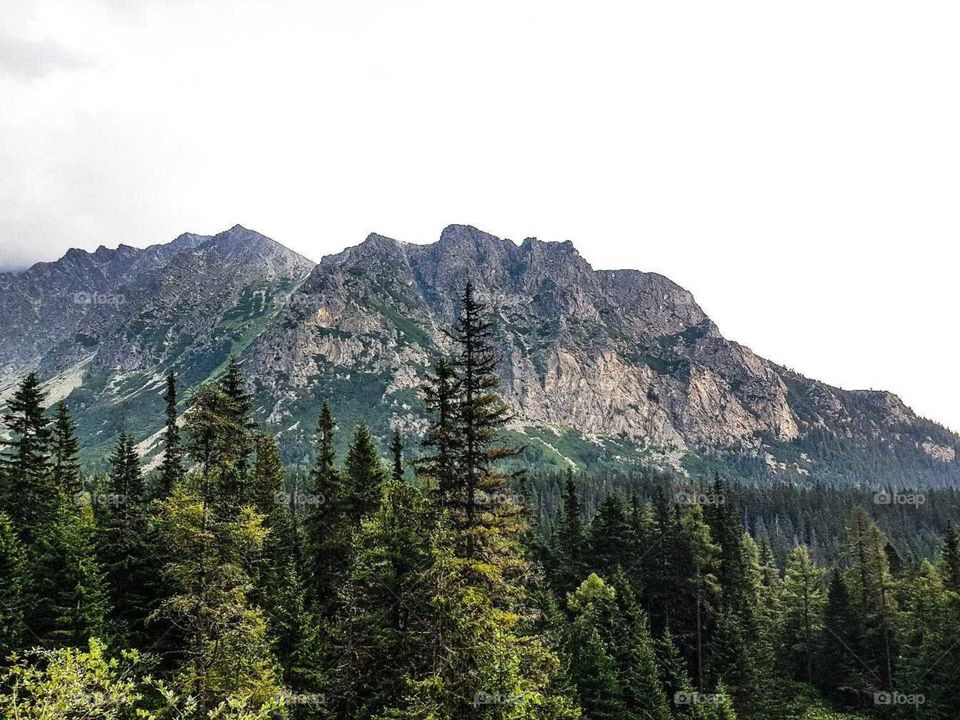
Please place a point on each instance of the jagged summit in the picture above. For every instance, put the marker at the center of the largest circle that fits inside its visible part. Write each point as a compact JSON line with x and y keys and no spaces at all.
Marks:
{"x":600,"y":366}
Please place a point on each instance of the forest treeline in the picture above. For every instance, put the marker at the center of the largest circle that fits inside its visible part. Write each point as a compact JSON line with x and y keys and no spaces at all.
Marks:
{"x":436,"y":586}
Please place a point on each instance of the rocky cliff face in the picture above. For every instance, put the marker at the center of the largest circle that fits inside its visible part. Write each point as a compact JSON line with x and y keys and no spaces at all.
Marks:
{"x":603,"y":368}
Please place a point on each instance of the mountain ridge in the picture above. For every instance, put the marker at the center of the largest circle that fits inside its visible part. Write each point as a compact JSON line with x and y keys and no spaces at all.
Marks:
{"x":619,"y":368}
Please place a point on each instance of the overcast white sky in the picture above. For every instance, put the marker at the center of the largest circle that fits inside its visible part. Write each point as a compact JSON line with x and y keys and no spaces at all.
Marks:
{"x":795,"y":165}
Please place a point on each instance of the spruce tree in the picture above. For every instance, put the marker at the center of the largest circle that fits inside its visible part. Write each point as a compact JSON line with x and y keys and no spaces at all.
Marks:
{"x":633,"y":649}
{"x":665,"y":573}
{"x":480,"y":501}
{"x":171,"y":469}
{"x":595,"y":674}
{"x":13,"y":588}
{"x":802,"y":614}
{"x":125,"y":547}
{"x":241,"y":429}
{"x":674,"y":675}
{"x":439,"y":464}
{"x":213,"y":542}
{"x":721,"y":515}
{"x":592,"y":649}
{"x":126,"y":478}
{"x":226,"y":652}
{"x":328,"y":529}
{"x":267,"y":484}
{"x":29,"y":496}
{"x":386,"y":613}
{"x":364,"y":475}
{"x":71,"y":603}
{"x":478,"y":639}
{"x":571,"y":541}
{"x":609,"y":536}
{"x":212,"y":437}
{"x":927,"y":662}
{"x":950,"y":559}
{"x":396,"y":453}
{"x":700,"y":591}
{"x":872,"y":594}
{"x":64,"y":449}
{"x":281,"y":592}
{"x":841,"y":644}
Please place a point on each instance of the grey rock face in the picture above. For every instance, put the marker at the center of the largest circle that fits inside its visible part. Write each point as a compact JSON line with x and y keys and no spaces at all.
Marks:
{"x":608,"y":356}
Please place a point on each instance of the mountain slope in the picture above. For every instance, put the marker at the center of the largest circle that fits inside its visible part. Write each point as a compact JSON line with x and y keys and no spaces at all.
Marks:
{"x":185,"y":306}
{"x":612,"y":369}
{"x":597,"y":364}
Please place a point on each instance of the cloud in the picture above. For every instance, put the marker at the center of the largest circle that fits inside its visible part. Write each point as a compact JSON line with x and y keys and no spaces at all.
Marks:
{"x":31,"y":59}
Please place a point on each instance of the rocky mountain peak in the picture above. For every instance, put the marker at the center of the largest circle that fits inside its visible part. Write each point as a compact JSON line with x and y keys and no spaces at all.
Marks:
{"x":597,"y":365}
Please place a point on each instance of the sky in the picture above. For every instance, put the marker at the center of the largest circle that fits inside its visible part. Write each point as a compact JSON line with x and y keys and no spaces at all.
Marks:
{"x":795,"y":165}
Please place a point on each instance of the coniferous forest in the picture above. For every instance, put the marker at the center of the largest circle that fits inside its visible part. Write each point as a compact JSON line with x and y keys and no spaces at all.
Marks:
{"x":433,"y":579}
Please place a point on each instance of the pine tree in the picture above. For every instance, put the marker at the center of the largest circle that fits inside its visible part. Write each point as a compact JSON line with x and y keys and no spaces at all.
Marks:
{"x":365,"y":475}
{"x":212,"y":432}
{"x":386,"y":613}
{"x":71,"y":603}
{"x":171,"y":469}
{"x":480,"y":500}
{"x":674,"y":675}
{"x":841,"y":644}
{"x":571,"y":541}
{"x":226,"y":652}
{"x":13,"y":588}
{"x":591,"y":646}
{"x":64,"y":449}
{"x":950,"y":559}
{"x":633,"y":649}
{"x":872,"y":595}
{"x":328,"y":526}
{"x":241,"y":428}
{"x":267,"y":485}
{"x":126,"y":479}
{"x":396,"y":453}
{"x":125,"y":547}
{"x":700,"y":591}
{"x":292,"y":629}
{"x":802,"y":614}
{"x":439,"y":464}
{"x":608,"y":535}
{"x":29,"y":497}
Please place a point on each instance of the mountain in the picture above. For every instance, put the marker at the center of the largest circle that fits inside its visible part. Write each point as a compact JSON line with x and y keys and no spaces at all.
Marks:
{"x":613,"y":370}
{"x":103,"y":328}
